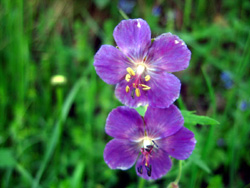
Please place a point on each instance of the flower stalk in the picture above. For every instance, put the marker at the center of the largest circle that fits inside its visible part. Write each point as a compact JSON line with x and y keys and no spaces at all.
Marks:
{"x":179,"y":173}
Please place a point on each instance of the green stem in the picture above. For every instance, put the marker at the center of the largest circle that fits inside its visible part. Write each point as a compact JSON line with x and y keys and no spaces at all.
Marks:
{"x":179,"y":174}
{"x":123,"y":14}
{"x":59,"y":97}
{"x":187,"y":13}
{"x":141,"y":183}
{"x":141,"y":180}
{"x":57,"y":132}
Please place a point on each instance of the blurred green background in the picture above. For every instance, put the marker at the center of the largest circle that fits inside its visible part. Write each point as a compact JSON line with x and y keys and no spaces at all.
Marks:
{"x":52,"y":135}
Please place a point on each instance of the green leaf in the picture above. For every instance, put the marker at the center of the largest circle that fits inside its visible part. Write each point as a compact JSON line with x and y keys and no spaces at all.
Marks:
{"x":57,"y":130}
{"x":6,"y":158}
{"x":193,"y":119}
{"x":215,"y":181}
{"x":141,"y":110}
{"x":195,"y":158}
{"x":77,"y":175}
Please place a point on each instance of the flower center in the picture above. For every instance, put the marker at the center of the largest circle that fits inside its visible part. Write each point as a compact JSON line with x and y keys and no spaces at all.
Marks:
{"x":140,"y":68}
{"x":137,"y":78}
{"x":147,"y":142}
{"x":146,"y":150}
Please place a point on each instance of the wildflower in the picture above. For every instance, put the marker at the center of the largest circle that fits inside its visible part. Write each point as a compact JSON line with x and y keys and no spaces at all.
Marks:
{"x":244,"y":105}
{"x":156,"y":11}
{"x":226,"y":78}
{"x":58,"y":80}
{"x":221,"y":142}
{"x":156,"y":136}
{"x":141,"y":69}
{"x":127,"y":5}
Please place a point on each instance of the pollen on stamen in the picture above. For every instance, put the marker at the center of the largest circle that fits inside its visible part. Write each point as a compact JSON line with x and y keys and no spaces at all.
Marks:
{"x":127,"y":89}
{"x":130,"y":71}
{"x":147,"y":78}
{"x":137,"y":92}
{"x":127,"y":77}
{"x":145,"y":87}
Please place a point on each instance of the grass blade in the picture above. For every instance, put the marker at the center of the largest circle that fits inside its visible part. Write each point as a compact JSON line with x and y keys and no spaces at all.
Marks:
{"x":57,"y":131}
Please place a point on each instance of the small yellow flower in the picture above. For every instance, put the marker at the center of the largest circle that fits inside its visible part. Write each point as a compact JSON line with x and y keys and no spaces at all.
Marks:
{"x":58,"y":80}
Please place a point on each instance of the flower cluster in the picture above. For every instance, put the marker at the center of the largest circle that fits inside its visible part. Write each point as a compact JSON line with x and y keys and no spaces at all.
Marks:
{"x":141,"y":68}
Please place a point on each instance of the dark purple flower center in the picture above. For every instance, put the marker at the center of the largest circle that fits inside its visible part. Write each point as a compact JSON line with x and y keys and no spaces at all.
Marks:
{"x":146,"y":150}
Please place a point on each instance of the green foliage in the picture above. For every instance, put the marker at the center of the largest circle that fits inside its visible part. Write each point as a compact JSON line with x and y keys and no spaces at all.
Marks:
{"x":141,"y":110}
{"x":196,"y":159}
{"x":215,"y":181}
{"x":7,"y":158}
{"x":192,"y":119}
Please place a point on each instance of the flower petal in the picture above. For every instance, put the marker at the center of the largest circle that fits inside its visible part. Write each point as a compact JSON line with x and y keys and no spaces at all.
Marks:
{"x":121,"y":154}
{"x":133,"y":37}
{"x":160,"y":165}
{"x":125,"y":123}
{"x":168,"y":52}
{"x":163,"y":122}
{"x":165,"y":89}
{"x":180,"y":145}
{"x":130,"y":99}
{"x":110,"y":64}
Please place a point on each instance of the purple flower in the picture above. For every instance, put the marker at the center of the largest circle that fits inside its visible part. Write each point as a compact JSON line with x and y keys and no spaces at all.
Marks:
{"x":226,"y":78}
{"x":244,"y":105}
{"x":156,"y":136}
{"x":127,"y":5}
{"x":157,"y":10}
{"x":141,"y":69}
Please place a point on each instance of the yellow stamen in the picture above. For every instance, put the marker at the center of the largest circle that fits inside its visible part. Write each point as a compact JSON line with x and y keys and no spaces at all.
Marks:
{"x":146,"y":162}
{"x":147,"y":78}
{"x":145,"y":87}
{"x":127,"y":89}
{"x":130,"y":71}
{"x":137,"y":92}
{"x":134,"y":85}
{"x":127,"y":78}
